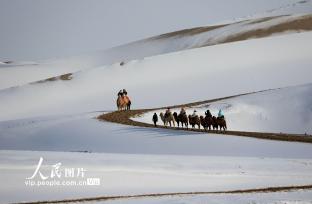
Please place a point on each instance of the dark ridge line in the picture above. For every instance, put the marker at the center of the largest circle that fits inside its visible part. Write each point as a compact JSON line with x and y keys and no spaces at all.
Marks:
{"x":157,"y":195}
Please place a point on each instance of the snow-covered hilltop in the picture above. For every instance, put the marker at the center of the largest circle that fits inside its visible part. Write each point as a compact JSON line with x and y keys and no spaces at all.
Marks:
{"x":185,"y":76}
{"x":162,"y":44}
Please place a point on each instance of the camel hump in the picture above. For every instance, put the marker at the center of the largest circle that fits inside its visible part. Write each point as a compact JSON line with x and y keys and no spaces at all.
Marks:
{"x":127,"y":98}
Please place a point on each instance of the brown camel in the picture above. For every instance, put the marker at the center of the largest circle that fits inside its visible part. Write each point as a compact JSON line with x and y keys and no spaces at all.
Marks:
{"x":181,"y":118}
{"x":219,"y":123}
{"x":206,"y":122}
{"x":194,"y":120}
{"x":123,"y":102}
{"x":167,"y":118}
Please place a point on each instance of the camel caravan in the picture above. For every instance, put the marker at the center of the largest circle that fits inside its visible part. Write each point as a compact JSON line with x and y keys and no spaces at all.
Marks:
{"x":208,"y":122}
{"x":123,"y":101}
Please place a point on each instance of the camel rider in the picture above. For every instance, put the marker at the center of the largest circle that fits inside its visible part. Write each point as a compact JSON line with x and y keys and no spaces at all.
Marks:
{"x":182,"y":112}
{"x":194,"y":113}
{"x":168,"y":112}
{"x":124,"y":92}
{"x":120,"y":93}
{"x":208,"y":114}
{"x":155,"y":119}
{"x":220,"y":114}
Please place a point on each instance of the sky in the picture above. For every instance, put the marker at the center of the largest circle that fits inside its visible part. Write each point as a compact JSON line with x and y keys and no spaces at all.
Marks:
{"x":45,"y":29}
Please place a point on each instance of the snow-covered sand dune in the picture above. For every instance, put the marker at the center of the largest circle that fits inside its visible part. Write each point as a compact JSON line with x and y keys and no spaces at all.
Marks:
{"x":220,"y":70}
{"x":171,"y":42}
{"x":55,"y":118}
{"x":286,"y":110}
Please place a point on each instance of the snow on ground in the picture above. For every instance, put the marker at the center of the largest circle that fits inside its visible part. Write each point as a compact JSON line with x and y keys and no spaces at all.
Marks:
{"x":134,"y":160}
{"x":138,"y":160}
{"x":19,"y":63}
{"x":17,"y":75}
{"x":169,"y":79}
{"x":55,"y":116}
{"x":82,"y":132}
{"x":286,"y":110}
{"x":125,"y":174}
{"x":296,"y":197}
{"x":301,"y":6}
{"x":205,"y":36}
{"x":288,"y":8}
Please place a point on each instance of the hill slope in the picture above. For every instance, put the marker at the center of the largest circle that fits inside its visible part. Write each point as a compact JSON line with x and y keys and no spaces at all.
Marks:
{"x":175,"y":78}
{"x":14,"y":74}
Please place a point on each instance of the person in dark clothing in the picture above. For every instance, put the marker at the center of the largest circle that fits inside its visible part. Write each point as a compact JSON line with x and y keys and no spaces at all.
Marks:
{"x":208,"y":114}
{"x":120,"y":93}
{"x":124,"y":92}
{"x":129,"y":105}
{"x":155,"y":119}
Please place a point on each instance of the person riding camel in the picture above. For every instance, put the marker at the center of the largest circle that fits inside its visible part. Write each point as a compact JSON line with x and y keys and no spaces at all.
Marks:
{"x":124,"y":92}
{"x":168,"y":112}
{"x":155,"y":119}
{"x":194,"y":114}
{"x":182,"y":111}
{"x":220,"y":114}
{"x":123,"y":101}
{"x":208,"y":114}
{"x":120,"y":93}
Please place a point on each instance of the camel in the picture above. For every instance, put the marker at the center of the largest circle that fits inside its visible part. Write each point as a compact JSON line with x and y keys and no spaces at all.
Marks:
{"x":181,"y":118}
{"x":218,"y":123}
{"x":206,"y":122}
{"x":167,"y":118}
{"x":123,"y":103}
{"x":194,"y":120}
{"x":221,"y":123}
{"x":214,"y":123}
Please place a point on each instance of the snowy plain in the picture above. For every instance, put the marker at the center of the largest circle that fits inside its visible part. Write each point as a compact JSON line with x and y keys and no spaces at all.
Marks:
{"x":130,"y":174}
{"x":132,"y":160}
{"x":296,"y":197}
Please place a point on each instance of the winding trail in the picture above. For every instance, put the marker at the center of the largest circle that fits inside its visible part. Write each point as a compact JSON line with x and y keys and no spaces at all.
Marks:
{"x":124,"y":117}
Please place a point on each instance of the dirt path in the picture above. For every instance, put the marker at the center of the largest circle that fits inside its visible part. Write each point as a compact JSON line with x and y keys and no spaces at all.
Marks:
{"x":158,"y":195}
{"x":124,"y":117}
